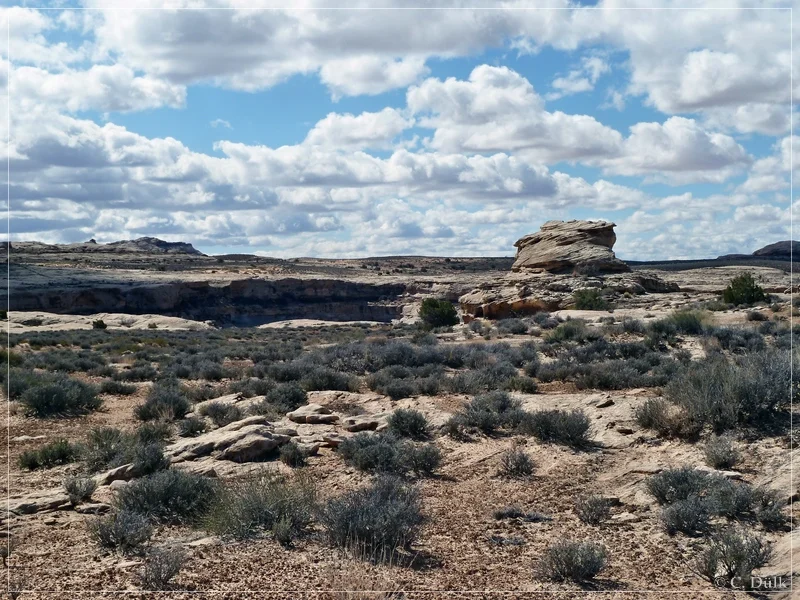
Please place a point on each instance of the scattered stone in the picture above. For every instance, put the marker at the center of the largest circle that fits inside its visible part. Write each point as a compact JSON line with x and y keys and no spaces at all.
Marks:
{"x":28,"y":438}
{"x":312,"y":414}
{"x":94,"y":508}
{"x":624,"y":430}
{"x":287,"y":431}
{"x":626,"y":517}
{"x":40,"y":502}
{"x":123,"y":472}
{"x":332,"y":439}
{"x":605,"y":403}
{"x":726,"y":474}
{"x":361,"y":423}
{"x":117,"y":484}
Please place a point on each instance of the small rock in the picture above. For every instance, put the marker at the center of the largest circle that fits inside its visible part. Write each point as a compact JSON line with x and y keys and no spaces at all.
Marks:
{"x":27,"y":438}
{"x":94,"y":508}
{"x":626,"y":517}
{"x":117,"y":484}
{"x":332,"y":439}
{"x":51,"y":521}
{"x":360,"y":423}
{"x":206,"y":541}
{"x":605,"y":403}
{"x":624,"y":430}
{"x":287,"y":431}
{"x":312,"y":414}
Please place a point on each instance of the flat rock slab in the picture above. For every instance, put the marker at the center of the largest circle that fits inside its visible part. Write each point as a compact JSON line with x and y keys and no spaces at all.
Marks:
{"x":94,"y":508}
{"x":312,"y":413}
{"x":243,"y":441}
{"x":361,"y":423}
{"x":41,"y":502}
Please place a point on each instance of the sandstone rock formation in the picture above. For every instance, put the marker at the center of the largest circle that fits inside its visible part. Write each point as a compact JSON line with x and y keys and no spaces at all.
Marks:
{"x":560,"y":246}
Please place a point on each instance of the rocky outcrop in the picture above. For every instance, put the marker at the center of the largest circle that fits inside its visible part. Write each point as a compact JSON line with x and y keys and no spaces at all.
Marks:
{"x":562,"y":246}
{"x":312,"y":414}
{"x":247,"y":440}
{"x":143,"y":245}
{"x":785,"y":250}
{"x":519,"y":295}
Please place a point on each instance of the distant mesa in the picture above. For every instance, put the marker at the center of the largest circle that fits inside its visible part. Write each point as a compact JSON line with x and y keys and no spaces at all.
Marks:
{"x":143,"y":245}
{"x":785,"y":250}
{"x":563,"y":246}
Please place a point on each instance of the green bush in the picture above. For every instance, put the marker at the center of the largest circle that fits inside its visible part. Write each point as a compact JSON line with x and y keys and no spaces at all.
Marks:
{"x":720,"y":453}
{"x":375,"y":522}
{"x":323,"y":378}
{"x":160,"y":567}
{"x":571,"y":428}
{"x":191,"y":426}
{"x":410,"y":423}
{"x":723,"y":395}
{"x":247,"y":507}
{"x":689,"y":516}
{"x":671,"y":485}
{"x":655,"y":414}
{"x":687,"y":321}
{"x":516,"y":463}
{"x":590,"y":299}
{"x":438,"y":313}
{"x":111,"y":386}
{"x":292,"y":455}
{"x":287,"y":397}
{"x":573,"y":561}
{"x":149,"y":458}
{"x":60,"y":395}
{"x":221,"y":414}
{"x":743,"y":289}
{"x":165,"y":400}
{"x":58,"y":452}
{"x":593,"y":509}
{"x":168,"y":496}
{"x":99,"y":324}
{"x":79,"y":488}
{"x":384,"y":453}
{"x":732,"y":556}
{"x":124,"y":530}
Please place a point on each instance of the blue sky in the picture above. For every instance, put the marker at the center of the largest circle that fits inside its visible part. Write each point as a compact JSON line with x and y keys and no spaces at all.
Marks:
{"x":362,"y":133}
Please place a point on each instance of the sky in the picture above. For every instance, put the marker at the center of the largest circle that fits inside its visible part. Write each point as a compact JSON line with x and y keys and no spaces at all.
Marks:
{"x":378,"y":130}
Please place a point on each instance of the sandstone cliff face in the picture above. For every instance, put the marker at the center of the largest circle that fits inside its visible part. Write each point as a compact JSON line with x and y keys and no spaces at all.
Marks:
{"x":561,"y":246}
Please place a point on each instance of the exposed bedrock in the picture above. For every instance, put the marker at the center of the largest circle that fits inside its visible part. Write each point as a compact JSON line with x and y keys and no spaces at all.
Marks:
{"x":240,"y":302}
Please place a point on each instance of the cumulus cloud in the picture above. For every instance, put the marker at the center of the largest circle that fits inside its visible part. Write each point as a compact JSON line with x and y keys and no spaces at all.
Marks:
{"x":367,"y":130}
{"x":582,"y":79}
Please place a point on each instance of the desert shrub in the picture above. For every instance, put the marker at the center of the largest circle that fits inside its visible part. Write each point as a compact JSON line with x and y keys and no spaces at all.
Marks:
{"x":292,"y":455}
{"x":571,"y":428}
{"x":722,"y":395}
{"x":149,"y":458}
{"x":438,"y":313}
{"x":512,"y":326}
{"x":191,"y":426}
{"x":754,"y":315}
{"x":522,"y":384}
{"x":248,"y":507}
{"x":491,"y":411}
{"x":160,"y":567}
{"x":720,"y":452}
{"x":99,"y":324}
{"x":384,"y":453}
{"x":168,"y":496}
{"x":630,"y":325}
{"x":736,"y":339}
{"x":589,"y":299}
{"x":732,"y":555}
{"x":323,"y":378}
{"x":105,"y":447}
{"x":124,"y":530}
{"x":165,"y":400}
{"x":516,"y":463}
{"x":689,"y":516}
{"x":574,"y":561}
{"x":398,"y":389}
{"x":410,"y":423}
{"x":251,"y":387}
{"x":574,"y":330}
{"x":60,"y":395}
{"x":221,"y":414}
{"x":137,"y":372}
{"x":593,"y":509}
{"x":743,"y":289}
{"x":687,"y":321}
{"x":58,"y":452}
{"x":79,"y":488}
{"x":768,"y":508}
{"x":110,"y":386}
{"x":672,"y":485}
{"x":374,"y":522}
{"x":152,"y":433}
{"x":655,"y":414}
{"x":287,"y":397}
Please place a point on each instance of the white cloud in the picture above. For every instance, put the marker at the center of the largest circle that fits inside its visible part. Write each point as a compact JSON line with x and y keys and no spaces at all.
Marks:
{"x":220,"y":123}
{"x":367,"y":130}
{"x":370,"y":74}
{"x":582,"y":79}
